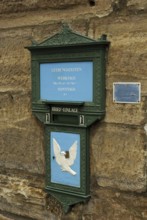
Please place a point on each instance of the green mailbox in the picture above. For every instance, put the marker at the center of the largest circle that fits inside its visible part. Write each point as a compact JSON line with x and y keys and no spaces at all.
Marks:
{"x":68,"y":96}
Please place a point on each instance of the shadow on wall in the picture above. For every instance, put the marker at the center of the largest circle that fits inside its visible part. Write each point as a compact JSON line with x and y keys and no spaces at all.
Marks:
{"x":92,"y":2}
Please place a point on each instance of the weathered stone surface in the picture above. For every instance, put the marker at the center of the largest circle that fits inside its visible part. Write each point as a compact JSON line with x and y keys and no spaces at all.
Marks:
{"x":118,"y":157}
{"x":26,"y":5}
{"x":2,"y":217}
{"x":20,"y":6}
{"x":124,"y":113}
{"x":115,"y":205}
{"x":104,"y":8}
{"x":137,"y":5}
{"x":57,"y":9}
{"x":18,"y":132}
{"x":21,"y":147}
{"x":22,"y":199}
{"x":21,"y":137}
{"x":126,"y":63}
{"x":117,"y":148}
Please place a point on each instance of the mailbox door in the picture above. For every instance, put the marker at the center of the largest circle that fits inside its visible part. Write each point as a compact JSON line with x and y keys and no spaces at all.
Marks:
{"x":67,"y":162}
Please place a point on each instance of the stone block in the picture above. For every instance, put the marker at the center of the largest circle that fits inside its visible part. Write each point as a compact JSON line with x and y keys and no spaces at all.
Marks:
{"x":137,"y":5}
{"x":19,"y":197}
{"x":21,"y":137}
{"x":118,"y":157}
{"x":26,"y":5}
{"x":126,"y":63}
{"x":22,"y":200}
{"x":131,"y":114}
{"x":2,"y":217}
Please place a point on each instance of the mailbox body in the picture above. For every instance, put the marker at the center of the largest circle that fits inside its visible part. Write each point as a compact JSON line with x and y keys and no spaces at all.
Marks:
{"x":68,"y":96}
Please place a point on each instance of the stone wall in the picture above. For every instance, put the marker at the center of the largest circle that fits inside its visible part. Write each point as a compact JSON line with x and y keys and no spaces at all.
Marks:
{"x":118,"y":143}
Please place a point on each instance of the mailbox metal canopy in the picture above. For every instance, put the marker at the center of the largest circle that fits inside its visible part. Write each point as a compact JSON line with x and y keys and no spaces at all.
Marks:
{"x":68,"y":79}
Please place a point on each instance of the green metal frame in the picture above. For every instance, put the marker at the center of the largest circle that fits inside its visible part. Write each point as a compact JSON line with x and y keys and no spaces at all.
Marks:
{"x":74,"y":194}
{"x":68,"y":46}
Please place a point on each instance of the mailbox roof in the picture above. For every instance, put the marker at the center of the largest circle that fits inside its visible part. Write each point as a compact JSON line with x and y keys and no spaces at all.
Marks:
{"x":66,"y":37}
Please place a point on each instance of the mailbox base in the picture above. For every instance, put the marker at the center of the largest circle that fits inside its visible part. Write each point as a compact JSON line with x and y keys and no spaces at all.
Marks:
{"x":67,"y":200}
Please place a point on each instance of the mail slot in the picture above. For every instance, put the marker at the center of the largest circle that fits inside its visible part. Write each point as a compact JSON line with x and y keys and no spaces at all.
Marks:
{"x":65,"y":119}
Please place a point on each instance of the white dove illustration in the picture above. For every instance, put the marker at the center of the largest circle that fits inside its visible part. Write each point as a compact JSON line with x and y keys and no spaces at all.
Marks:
{"x":65,"y":158}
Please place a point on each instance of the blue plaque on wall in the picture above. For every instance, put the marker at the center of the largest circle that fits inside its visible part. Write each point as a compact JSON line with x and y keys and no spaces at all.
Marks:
{"x":65,"y":158}
{"x":66,"y":81}
{"x":126,"y":92}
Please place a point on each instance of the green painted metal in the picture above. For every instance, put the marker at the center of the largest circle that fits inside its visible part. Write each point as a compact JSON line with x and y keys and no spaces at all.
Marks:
{"x":69,"y":195}
{"x":74,"y":117}
{"x":66,"y":37}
